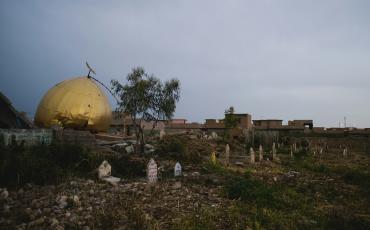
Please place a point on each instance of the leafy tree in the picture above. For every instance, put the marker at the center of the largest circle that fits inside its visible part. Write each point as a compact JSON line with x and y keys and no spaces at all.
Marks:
{"x":145,"y":98}
{"x":230,"y":120}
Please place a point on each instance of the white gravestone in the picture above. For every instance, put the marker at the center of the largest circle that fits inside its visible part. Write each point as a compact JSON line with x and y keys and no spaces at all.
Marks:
{"x":273,"y":151}
{"x":227,"y":154}
{"x":162,"y":133}
{"x":345,"y":151}
{"x":104,"y":173}
{"x":177,"y":169}
{"x":152,"y":171}
{"x":253,"y":157}
{"x":260,"y":150}
{"x":104,"y":170}
{"x":291,"y":151}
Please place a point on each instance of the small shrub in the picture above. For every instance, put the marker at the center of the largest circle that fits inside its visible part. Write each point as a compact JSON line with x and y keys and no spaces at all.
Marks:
{"x":249,"y":190}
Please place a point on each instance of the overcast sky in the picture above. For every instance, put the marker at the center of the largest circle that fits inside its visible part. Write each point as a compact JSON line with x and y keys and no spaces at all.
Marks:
{"x":273,"y":59}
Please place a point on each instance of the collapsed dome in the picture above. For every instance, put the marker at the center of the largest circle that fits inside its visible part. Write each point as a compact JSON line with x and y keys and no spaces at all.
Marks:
{"x":77,"y":103}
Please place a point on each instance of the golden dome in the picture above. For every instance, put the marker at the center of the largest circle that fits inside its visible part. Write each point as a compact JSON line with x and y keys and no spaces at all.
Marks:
{"x":75,"y":103}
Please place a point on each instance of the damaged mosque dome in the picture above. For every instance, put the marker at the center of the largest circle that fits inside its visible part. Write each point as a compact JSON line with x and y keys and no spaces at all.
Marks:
{"x":77,"y":103}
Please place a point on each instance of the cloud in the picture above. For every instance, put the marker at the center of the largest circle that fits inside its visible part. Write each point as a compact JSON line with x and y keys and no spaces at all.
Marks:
{"x":273,"y":59}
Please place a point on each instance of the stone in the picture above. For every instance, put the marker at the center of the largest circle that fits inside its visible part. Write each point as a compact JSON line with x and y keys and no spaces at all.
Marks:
{"x":112,"y":180}
{"x":273,"y":151}
{"x":177,"y":185}
{"x":129,"y":149}
{"x":162,"y":133}
{"x":345,"y":152}
{"x":53,"y":222}
{"x":177,"y":170}
{"x":291,"y":151}
{"x":214,"y":135}
{"x":36,"y":222}
{"x":62,"y":202}
{"x":149,"y":149}
{"x":104,"y":170}
{"x":152,"y":171}
{"x":4,"y":194}
{"x":252,"y":155}
{"x":227,"y":154}
{"x":76,"y":200}
{"x":260,"y":151}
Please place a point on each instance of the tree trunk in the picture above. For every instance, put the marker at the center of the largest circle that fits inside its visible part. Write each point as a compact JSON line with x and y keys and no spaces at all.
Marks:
{"x":142,"y":142}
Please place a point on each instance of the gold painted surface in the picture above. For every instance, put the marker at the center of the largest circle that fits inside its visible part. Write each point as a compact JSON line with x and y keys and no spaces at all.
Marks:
{"x":75,"y":103}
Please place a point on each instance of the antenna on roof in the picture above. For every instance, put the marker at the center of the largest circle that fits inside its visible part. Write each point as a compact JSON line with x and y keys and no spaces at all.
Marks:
{"x":91,"y":70}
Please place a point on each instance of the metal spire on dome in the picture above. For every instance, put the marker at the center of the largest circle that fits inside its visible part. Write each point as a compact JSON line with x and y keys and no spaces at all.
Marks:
{"x":91,"y":70}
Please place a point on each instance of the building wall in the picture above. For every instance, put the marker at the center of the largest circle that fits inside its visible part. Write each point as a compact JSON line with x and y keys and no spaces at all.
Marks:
{"x":268,"y":124}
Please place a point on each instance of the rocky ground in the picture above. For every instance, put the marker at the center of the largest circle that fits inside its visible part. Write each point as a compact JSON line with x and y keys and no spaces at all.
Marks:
{"x":89,"y":204}
{"x":307,"y":192}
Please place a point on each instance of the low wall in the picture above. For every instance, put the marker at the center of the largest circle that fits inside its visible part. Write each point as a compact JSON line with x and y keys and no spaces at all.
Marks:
{"x":27,"y":136}
{"x":45,"y":136}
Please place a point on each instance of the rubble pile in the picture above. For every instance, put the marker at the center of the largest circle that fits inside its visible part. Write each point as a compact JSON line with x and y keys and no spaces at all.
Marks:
{"x":87,"y":204}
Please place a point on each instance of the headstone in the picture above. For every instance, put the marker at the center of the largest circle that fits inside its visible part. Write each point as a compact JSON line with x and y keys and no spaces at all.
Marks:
{"x":227,"y":154}
{"x":214,"y":135}
{"x":321,"y":151}
{"x":162,"y":133}
{"x":104,"y":170}
{"x":152,"y":171}
{"x":253,"y":157}
{"x":345,"y":152}
{"x":260,"y":150}
{"x":291,"y":151}
{"x":104,"y":173}
{"x":177,"y":170}
{"x":273,"y":151}
{"x":213,"y":157}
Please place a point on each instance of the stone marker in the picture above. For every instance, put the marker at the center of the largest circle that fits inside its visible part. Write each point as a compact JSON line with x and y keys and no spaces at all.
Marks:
{"x":177,"y":169}
{"x":162,"y":133}
{"x":291,"y":151}
{"x":253,"y":157}
{"x":214,"y":135}
{"x":345,"y":152}
{"x":213,"y":157}
{"x":104,"y":173}
{"x":260,"y":150}
{"x":152,"y":171}
{"x":321,"y":151}
{"x":104,"y":170}
{"x":273,"y":151}
{"x":227,"y":154}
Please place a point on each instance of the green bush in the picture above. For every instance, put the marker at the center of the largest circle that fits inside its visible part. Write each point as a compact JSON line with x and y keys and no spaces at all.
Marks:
{"x":41,"y":164}
{"x":249,"y":190}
